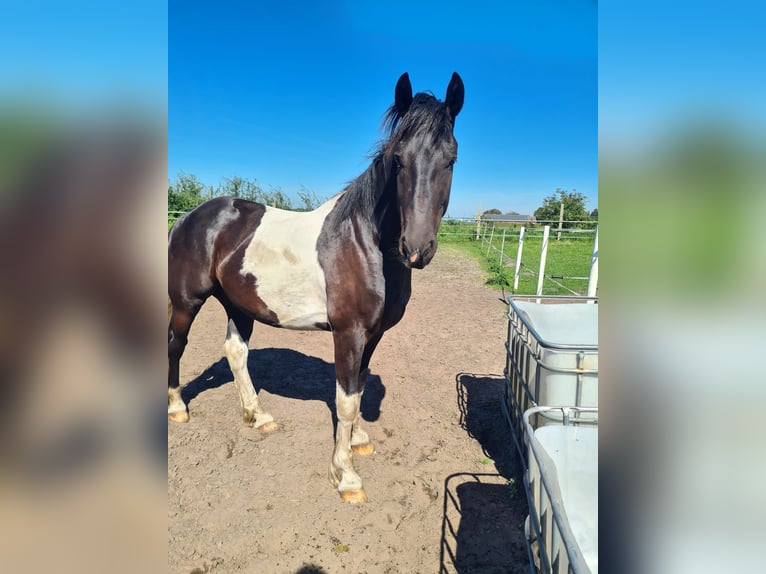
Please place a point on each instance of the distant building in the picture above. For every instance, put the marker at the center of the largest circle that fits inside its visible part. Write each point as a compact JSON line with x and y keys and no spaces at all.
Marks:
{"x":512,"y":218}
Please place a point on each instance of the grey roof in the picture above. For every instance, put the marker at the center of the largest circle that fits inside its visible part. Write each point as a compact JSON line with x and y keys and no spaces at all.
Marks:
{"x":511,"y":217}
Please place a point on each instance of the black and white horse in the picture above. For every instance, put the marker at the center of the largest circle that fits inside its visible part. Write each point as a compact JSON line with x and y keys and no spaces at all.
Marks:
{"x":345,"y":267}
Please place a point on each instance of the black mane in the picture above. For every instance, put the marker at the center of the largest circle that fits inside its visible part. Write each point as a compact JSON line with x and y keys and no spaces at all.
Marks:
{"x":362,"y":194}
{"x":425,"y":114}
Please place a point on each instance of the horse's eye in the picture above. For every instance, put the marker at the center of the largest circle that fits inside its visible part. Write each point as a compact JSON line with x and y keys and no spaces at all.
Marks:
{"x":451,"y":163}
{"x":397,"y":162}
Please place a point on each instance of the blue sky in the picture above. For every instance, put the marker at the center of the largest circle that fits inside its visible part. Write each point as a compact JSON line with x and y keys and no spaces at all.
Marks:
{"x":698,"y":62}
{"x":84,"y":56}
{"x":292,"y":93}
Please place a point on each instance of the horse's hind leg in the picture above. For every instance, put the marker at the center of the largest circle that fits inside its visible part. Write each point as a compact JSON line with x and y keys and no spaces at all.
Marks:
{"x":238,"y":333}
{"x":180,"y":320}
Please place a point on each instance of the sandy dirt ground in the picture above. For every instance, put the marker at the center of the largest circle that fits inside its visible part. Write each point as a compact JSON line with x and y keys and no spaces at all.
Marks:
{"x":444,"y":486}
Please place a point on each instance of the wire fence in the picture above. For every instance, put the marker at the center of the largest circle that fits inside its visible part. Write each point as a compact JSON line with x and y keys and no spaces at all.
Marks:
{"x":173,"y":216}
{"x":532,"y":258}
{"x":571,"y":276}
{"x":471,"y":229}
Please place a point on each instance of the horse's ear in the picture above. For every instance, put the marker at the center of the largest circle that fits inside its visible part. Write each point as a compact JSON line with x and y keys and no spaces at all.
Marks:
{"x":403,"y":94}
{"x":455,"y":93}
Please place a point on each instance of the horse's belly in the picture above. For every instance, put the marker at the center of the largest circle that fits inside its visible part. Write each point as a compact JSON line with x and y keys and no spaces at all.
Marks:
{"x":295,"y":295}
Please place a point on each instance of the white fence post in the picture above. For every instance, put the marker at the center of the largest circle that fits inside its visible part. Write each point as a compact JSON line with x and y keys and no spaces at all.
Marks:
{"x":561,"y":220}
{"x":491,"y":235}
{"x":543,"y":256}
{"x":593,"y":276}
{"x":502,"y":248}
{"x":518,"y":259}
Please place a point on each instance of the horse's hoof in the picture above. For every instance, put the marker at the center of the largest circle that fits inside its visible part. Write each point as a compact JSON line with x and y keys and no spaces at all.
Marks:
{"x":354,"y":496}
{"x":268,"y":427}
{"x":179,"y":417}
{"x":363,"y":449}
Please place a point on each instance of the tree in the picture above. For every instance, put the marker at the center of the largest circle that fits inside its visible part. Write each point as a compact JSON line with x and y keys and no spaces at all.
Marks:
{"x":594,"y":214}
{"x":574,"y":207}
{"x":492,"y":211}
{"x":240,"y":187}
{"x":187,"y":192}
{"x":307,"y":200}
{"x":277,"y":198}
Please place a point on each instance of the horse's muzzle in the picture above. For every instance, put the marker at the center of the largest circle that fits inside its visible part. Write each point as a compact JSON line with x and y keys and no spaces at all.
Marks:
{"x":417,"y":258}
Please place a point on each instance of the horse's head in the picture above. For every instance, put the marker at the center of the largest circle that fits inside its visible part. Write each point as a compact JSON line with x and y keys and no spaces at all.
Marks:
{"x":421,"y":153}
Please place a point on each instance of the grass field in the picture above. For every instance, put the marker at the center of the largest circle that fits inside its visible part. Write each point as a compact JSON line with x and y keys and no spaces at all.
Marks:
{"x":567,"y":258}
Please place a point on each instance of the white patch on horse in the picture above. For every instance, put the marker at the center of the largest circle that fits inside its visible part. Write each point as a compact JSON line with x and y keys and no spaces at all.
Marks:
{"x":175,"y":402}
{"x":282,"y":257}
{"x":236,"y":352}
{"x":342,"y":472}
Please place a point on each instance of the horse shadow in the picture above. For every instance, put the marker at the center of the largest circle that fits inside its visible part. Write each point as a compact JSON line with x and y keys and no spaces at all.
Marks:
{"x":289,"y":374}
{"x":484,"y":513}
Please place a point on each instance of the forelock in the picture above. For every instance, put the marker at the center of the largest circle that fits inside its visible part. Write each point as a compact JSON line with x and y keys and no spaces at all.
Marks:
{"x":427,"y":116}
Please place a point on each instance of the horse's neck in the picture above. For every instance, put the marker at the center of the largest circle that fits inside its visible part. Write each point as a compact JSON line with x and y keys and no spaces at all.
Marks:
{"x":398,"y":276}
{"x":381,"y":202}
{"x":387,"y":224}
{"x":387,"y":219}
{"x":371,"y":201}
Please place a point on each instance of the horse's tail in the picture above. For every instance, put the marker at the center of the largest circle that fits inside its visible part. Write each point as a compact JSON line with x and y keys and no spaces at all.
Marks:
{"x":170,"y":309}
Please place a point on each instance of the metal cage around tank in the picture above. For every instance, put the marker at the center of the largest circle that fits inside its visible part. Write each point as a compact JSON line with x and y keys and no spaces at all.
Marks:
{"x":551,"y":402}
{"x":548,"y":361}
{"x":561,"y":483}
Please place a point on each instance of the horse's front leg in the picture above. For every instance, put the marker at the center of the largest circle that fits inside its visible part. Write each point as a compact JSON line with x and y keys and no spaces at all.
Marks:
{"x":360,"y":440}
{"x":349,"y":346}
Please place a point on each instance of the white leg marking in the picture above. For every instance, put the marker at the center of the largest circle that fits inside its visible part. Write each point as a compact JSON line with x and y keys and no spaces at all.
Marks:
{"x":236,"y":353}
{"x":342,"y":473}
{"x":176,"y":407}
{"x":175,"y":402}
{"x":358,"y":436}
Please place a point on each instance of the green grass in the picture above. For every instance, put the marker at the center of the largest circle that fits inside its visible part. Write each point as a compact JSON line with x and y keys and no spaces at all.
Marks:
{"x":172,"y":218}
{"x":569,"y":257}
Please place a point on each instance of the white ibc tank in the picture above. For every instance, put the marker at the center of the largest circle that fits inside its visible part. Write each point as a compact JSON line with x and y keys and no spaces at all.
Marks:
{"x":564,"y":340}
{"x":574,"y":453}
